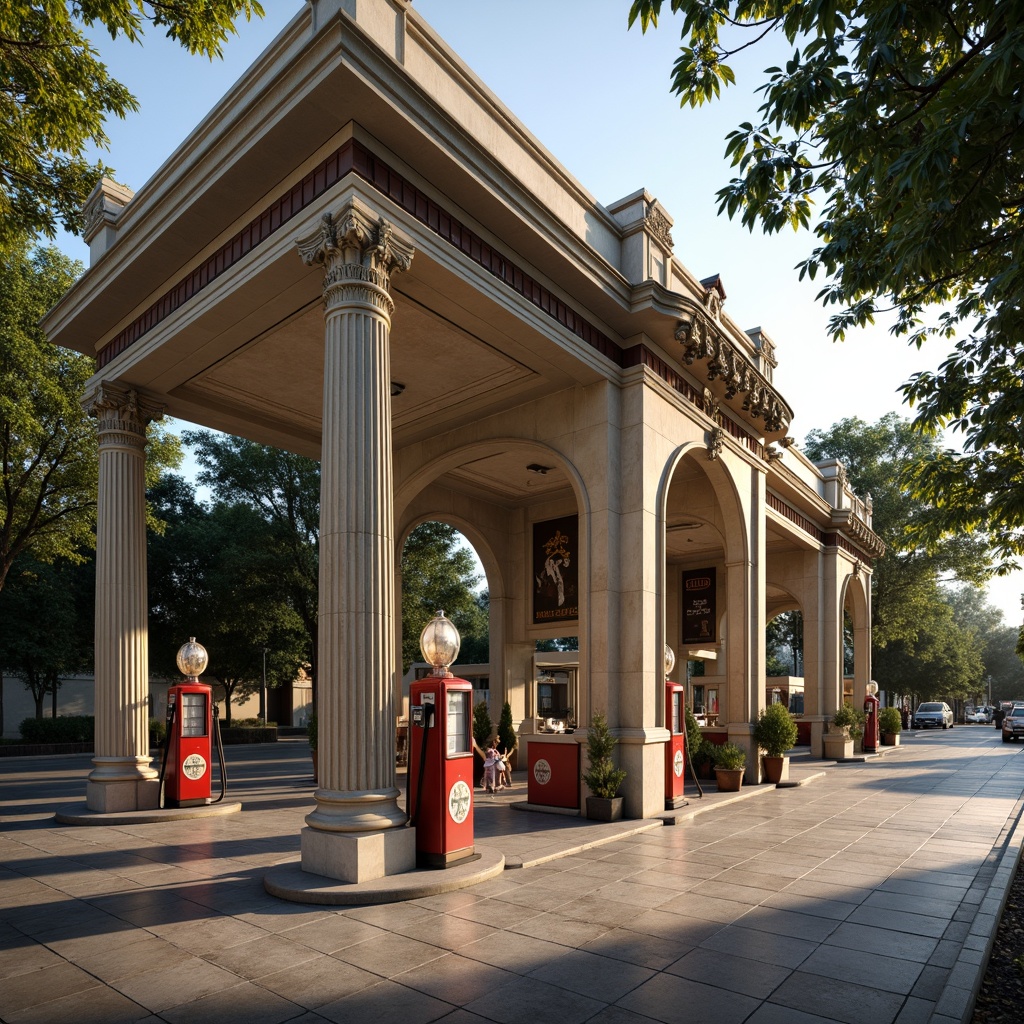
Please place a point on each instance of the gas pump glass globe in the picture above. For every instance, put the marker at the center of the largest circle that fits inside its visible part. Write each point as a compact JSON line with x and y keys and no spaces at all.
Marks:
{"x":872,"y":688}
{"x":440,"y":642}
{"x":192,"y":659}
{"x":670,"y":660}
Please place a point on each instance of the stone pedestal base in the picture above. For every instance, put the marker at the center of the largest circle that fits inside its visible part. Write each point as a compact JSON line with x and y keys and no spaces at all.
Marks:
{"x":118,"y":796}
{"x":358,"y":856}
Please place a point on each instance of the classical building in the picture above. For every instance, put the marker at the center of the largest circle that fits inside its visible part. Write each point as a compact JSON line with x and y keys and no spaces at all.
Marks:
{"x":360,"y":255}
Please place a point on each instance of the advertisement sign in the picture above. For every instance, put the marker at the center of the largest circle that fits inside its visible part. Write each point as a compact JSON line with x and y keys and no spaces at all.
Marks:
{"x":699,"y":606}
{"x":555,"y":570}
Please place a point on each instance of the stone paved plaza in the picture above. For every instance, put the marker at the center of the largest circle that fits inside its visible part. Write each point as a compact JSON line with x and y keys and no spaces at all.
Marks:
{"x":868,"y":895}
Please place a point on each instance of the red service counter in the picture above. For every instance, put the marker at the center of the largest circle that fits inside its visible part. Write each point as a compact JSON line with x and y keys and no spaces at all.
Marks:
{"x":553,"y":772}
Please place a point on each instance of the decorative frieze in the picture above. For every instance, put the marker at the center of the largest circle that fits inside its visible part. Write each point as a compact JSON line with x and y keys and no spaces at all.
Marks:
{"x":657,"y":224}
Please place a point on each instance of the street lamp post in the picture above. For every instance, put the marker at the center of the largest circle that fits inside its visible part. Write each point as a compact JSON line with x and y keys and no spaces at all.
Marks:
{"x":263,"y":692}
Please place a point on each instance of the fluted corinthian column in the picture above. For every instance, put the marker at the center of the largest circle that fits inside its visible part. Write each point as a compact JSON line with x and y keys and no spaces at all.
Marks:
{"x":356,"y":724}
{"x":122,"y":778}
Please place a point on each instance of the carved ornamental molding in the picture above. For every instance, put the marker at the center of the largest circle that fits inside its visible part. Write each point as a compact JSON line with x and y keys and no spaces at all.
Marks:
{"x":121,"y":415}
{"x":359,"y":255}
{"x":858,"y":531}
{"x":658,"y":225}
{"x":703,"y":341}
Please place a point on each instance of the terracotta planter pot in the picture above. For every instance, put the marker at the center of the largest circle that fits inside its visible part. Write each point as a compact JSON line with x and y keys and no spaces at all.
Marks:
{"x":729,"y":779}
{"x":890,"y":739}
{"x":776,"y":769}
{"x":601,"y":808}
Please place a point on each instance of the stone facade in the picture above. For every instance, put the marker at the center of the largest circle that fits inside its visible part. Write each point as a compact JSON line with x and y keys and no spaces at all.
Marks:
{"x":541,"y":358}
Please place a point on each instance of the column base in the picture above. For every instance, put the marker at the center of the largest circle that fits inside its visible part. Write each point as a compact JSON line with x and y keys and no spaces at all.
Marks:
{"x":358,"y":856}
{"x":361,"y":811}
{"x":115,"y":797}
{"x":122,"y":784}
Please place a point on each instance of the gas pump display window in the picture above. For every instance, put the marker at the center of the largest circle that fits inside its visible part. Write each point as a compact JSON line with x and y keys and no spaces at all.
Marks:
{"x":677,"y":706}
{"x":458,"y":722}
{"x":193,"y":714}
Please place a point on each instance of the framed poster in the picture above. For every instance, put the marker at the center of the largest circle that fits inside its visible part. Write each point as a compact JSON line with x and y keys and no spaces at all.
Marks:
{"x":699,"y":606}
{"x":555,"y":570}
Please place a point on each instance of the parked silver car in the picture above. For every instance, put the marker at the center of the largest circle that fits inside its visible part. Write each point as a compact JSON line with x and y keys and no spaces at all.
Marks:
{"x":1013,"y":724}
{"x":933,"y":712}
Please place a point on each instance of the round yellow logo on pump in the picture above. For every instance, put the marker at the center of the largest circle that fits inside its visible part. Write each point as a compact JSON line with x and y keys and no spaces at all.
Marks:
{"x":460,"y":799}
{"x":194,"y":766}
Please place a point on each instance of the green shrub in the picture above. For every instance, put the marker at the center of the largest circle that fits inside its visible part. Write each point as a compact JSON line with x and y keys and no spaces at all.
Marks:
{"x":311,"y":731}
{"x":847,"y":715}
{"x":157,"y":732}
{"x":694,"y":737}
{"x":482,"y":724}
{"x":775,"y":730}
{"x":506,"y":730}
{"x":728,"y":755}
{"x":890,"y":720}
{"x":602,"y":777}
{"x":63,"y":729}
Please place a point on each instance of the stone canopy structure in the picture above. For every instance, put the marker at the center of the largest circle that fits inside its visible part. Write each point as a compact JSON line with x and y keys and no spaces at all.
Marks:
{"x":361,"y":256}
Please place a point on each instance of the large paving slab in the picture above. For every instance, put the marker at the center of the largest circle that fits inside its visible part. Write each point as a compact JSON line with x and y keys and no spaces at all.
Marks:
{"x":870,"y":894}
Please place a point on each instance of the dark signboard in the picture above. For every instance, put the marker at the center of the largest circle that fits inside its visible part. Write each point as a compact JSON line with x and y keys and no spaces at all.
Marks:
{"x":699,"y":606}
{"x":555,"y":570}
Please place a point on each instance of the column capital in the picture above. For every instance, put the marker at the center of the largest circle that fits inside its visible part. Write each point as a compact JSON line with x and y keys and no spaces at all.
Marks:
{"x":359,"y":255}
{"x":121,"y":413}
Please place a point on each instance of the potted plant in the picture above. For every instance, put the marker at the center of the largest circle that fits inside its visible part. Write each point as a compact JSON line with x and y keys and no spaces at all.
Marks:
{"x":602,"y":777}
{"x":775,"y":733}
{"x":311,"y":732}
{"x":838,"y":743}
{"x":730,"y":762}
{"x":890,"y":724}
{"x":482,"y":729}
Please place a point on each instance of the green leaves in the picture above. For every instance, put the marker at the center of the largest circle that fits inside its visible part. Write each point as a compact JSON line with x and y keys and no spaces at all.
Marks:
{"x":56,"y":95}
{"x":895,"y":132}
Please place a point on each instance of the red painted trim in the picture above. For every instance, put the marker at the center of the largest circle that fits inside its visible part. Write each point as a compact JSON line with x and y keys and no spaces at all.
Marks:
{"x":353,"y":157}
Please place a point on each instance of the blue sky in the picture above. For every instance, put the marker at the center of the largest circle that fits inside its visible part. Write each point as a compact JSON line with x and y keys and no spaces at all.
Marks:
{"x":597,"y":96}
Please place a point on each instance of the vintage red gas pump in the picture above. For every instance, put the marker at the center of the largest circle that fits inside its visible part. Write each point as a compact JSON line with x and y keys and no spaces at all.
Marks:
{"x":871,"y":703}
{"x":440,"y":777}
{"x":675,"y":749}
{"x":187,"y":768}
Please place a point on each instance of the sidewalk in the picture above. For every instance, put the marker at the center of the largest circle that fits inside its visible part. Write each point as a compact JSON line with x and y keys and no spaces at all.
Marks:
{"x":869,"y":895}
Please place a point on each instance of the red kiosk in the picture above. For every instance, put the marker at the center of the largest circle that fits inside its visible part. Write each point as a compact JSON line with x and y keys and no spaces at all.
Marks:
{"x":675,"y":749}
{"x":871,"y":703}
{"x":440,"y":778}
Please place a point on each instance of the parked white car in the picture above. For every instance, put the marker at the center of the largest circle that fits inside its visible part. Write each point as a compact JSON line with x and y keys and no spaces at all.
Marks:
{"x":933,"y":712}
{"x":981,"y":715}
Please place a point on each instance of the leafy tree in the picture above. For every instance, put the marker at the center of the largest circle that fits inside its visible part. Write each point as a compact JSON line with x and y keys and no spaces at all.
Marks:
{"x":995,"y":641}
{"x":48,"y":446}
{"x":784,"y":644}
{"x":56,"y":95}
{"x":918,"y":645}
{"x":47,"y":615}
{"x":438,"y":573}
{"x":47,"y":442}
{"x":284,"y":491}
{"x":902,"y":120}
{"x":216,"y":572}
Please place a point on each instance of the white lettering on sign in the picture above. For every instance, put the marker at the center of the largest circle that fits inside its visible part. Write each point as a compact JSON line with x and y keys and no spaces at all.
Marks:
{"x":460,"y":799}
{"x":542,"y":772}
{"x":677,"y":763}
{"x":194,"y":766}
